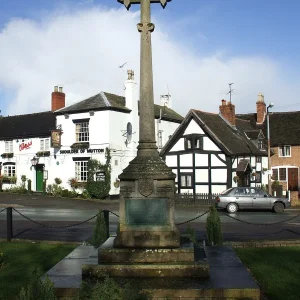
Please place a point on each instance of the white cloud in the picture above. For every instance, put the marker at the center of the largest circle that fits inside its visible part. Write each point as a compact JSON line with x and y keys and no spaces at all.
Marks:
{"x":82,"y":51}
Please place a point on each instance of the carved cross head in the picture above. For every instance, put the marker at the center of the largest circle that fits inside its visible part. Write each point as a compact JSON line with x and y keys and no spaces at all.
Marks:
{"x":128,"y":3}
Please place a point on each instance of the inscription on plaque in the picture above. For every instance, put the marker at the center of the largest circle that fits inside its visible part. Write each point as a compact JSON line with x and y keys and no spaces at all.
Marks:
{"x":146,"y":211}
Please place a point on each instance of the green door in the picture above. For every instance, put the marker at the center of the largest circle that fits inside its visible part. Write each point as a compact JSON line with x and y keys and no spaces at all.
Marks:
{"x":39,"y":178}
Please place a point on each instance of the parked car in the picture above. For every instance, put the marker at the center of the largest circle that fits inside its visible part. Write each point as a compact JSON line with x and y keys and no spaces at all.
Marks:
{"x":237,"y":198}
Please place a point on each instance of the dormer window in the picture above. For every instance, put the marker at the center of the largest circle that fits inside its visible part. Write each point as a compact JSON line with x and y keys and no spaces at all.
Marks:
{"x":193,"y":141}
{"x":260,"y":144}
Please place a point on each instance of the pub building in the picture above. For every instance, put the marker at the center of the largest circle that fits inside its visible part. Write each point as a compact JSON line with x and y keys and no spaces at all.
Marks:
{"x":59,"y":143}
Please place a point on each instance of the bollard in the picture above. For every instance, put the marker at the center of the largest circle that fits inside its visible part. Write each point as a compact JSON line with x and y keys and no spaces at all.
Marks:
{"x":106,"y":220}
{"x":9,"y":225}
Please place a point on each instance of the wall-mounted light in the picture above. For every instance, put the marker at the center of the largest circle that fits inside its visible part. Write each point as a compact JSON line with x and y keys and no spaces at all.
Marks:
{"x":66,"y":116}
{"x":34,"y":161}
{"x":91,"y":113}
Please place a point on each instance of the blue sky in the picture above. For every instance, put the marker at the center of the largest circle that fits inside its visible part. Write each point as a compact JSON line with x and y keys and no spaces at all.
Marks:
{"x":236,"y":33}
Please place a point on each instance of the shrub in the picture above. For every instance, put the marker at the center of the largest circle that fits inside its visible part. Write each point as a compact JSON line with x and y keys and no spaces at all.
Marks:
{"x":213,"y":228}
{"x":3,"y":259}
{"x":65,"y":193}
{"x":18,"y":190}
{"x":108,"y":289}
{"x":99,"y":232}
{"x":49,"y":189}
{"x":57,"y":180}
{"x":56,"y":190}
{"x":38,"y":289}
{"x":99,"y":189}
{"x":23,"y":179}
{"x":192,"y":234}
{"x":85,"y":194}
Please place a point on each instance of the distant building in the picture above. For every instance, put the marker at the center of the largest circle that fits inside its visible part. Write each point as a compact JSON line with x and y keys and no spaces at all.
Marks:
{"x":284,"y":140}
{"x":64,"y":139}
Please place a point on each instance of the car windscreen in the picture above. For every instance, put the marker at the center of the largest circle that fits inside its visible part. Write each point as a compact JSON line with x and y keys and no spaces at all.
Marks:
{"x":227,"y":191}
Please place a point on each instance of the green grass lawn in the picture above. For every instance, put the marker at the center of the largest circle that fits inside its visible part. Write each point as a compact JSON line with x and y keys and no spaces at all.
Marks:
{"x":277,"y":270}
{"x":22,"y":258}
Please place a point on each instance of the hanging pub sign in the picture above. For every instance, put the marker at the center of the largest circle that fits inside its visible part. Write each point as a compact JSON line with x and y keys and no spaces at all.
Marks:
{"x":55,"y":138}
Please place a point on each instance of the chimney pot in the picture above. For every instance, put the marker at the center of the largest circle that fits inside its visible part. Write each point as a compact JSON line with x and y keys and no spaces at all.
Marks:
{"x":130,"y":74}
{"x":260,"y":109}
{"x":227,"y":110}
{"x":58,"y":99}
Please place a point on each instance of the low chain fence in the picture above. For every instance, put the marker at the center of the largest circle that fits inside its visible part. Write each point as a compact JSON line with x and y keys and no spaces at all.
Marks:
{"x":106,"y":213}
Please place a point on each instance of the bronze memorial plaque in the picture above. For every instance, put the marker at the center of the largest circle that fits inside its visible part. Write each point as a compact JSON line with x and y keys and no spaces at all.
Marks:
{"x":150,"y":211}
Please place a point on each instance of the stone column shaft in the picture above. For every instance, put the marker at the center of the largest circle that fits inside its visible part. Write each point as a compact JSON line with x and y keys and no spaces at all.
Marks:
{"x":147,"y":125}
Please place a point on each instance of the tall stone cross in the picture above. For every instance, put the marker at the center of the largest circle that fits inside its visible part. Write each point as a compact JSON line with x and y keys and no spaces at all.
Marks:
{"x":147,"y":184}
{"x":145,"y":27}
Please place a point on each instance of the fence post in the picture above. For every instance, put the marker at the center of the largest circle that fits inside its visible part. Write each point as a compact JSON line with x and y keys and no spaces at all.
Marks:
{"x":9,"y":225}
{"x":106,"y":220}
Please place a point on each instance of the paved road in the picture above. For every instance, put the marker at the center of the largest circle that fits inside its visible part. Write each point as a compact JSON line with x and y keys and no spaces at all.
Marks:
{"x":61,"y":212}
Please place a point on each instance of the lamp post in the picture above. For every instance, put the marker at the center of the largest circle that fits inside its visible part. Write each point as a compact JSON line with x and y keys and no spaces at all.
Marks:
{"x":34,"y":161}
{"x":269,"y":148}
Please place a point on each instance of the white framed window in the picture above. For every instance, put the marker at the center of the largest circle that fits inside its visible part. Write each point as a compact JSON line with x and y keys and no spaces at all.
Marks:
{"x":9,"y":170}
{"x":82,"y":132}
{"x":186,"y":180}
{"x":284,"y":151}
{"x":81,"y":170}
{"x":44,"y":144}
{"x":9,"y":147}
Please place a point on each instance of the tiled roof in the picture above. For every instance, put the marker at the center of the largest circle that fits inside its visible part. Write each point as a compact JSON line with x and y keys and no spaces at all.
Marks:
{"x":231,"y":139}
{"x":284,"y":127}
{"x":107,"y":101}
{"x":101,"y":101}
{"x":25,"y":126}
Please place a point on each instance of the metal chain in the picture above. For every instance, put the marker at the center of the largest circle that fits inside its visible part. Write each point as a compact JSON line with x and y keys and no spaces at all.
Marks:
{"x":192,"y":219}
{"x":113,"y":213}
{"x":2,"y":210}
{"x":51,"y":226}
{"x":260,"y":224}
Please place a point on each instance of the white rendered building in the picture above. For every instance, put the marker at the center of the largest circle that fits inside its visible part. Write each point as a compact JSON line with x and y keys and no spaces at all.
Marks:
{"x":86,"y":129}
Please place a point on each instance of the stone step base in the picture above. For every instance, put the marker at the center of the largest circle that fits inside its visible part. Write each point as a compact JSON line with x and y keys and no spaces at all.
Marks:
{"x":107,"y":254}
{"x":177,"y":289}
{"x":200,"y":270}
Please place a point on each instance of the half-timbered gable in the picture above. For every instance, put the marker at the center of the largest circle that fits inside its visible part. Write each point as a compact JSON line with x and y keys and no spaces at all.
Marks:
{"x":209,"y":154}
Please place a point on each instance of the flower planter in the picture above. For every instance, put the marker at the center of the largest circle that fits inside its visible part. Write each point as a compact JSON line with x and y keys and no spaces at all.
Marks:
{"x":43,"y":153}
{"x":83,"y":145}
{"x":7,"y":155}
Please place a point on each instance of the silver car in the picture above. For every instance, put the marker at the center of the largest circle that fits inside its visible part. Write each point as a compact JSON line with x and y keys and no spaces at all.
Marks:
{"x":237,"y":198}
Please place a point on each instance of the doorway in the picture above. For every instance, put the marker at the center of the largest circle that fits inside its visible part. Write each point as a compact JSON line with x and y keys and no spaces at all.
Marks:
{"x":293,"y":179}
{"x":39,"y":177}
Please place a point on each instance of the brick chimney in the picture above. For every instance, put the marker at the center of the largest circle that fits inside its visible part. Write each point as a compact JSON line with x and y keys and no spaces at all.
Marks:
{"x":227,"y":110}
{"x":58,"y":99}
{"x":260,"y":109}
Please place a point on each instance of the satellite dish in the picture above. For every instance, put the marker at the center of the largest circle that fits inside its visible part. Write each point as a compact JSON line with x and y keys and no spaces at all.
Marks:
{"x":129,"y":132}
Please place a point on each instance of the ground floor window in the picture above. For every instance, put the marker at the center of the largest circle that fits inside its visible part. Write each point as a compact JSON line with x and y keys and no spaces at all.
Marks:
{"x":9,"y":170}
{"x":186,"y":180}
{"x":81,"y":170}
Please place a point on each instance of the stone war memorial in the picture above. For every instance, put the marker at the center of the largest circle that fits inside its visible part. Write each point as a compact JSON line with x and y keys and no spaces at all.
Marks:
{"x":147,"y":242}
{"x":147,"y":250}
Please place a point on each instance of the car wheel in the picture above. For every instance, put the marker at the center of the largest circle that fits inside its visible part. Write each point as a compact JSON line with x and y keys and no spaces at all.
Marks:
{"x":278,"y":207}
{"x":232,"y":208}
